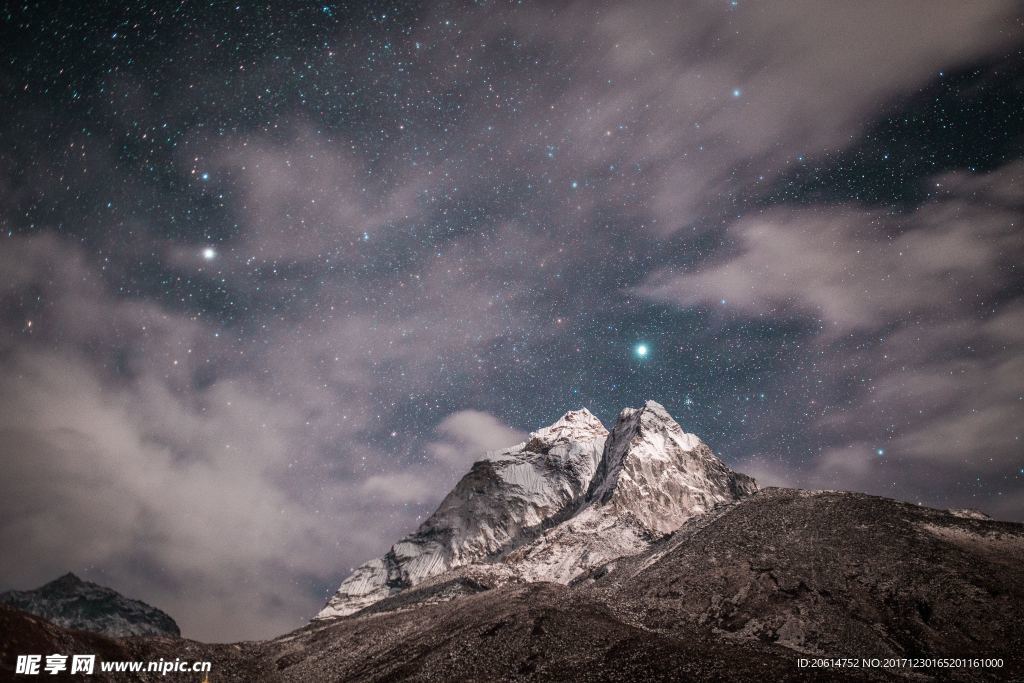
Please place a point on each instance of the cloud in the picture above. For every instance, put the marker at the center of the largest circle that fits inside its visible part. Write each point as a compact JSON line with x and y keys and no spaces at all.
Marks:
{"x":917,"y":352}
{"x":138,"y":436}
{"x":956,"y":414}
{"x":91,"y":482}
{"x":461,"y":439}
{"x":854,"y":467}
{"x":398,"y":487}
{"x":311,"y":198}
{"x":791,"y":262}
{"x":467,"y":435}
{"x":161,"y":454}
{"x":683,"y":107}
{"x":855,"y":268}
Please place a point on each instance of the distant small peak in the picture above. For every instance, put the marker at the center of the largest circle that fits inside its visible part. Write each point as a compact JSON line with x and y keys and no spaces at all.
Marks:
{"x":67,"y":583}
{"x":70,"y":578}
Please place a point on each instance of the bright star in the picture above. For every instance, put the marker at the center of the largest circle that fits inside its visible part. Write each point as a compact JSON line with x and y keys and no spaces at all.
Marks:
{"x":641,"y":350}
{"x":736,"y":92}
{"x":880,"y":451}
{"x":204,"y":176}
{"x":209,"y":253}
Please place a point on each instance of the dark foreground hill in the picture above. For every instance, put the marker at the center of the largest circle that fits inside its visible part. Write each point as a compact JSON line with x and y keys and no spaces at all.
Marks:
{"x":741,"y":593}
{"x":833,"y":574}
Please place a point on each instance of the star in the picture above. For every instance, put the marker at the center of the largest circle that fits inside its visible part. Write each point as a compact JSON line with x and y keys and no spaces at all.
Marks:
{"x":641,"y":350}
{"x":209,"y":253}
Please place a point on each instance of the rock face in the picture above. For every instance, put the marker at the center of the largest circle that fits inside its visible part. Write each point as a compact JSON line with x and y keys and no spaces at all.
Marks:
{"x":550,"y":509}
{"x":658,"y":475}
{"x":509,"y":496}
{"x":76,"y":604}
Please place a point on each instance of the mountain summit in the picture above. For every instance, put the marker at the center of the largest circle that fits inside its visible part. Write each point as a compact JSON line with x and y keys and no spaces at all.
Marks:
{"x":659,"y":474}
{"x":570,"y":498}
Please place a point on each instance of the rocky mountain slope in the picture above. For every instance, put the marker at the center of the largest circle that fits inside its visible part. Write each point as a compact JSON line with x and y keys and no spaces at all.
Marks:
{"x":76,"y":604}
{"x":832,"y":574}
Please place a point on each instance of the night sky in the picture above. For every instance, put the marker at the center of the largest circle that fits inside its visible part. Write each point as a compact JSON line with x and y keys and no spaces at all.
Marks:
{"x":272,"y":277}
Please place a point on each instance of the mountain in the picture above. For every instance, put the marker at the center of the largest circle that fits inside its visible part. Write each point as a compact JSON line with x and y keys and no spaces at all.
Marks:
{"x":76,"y":604}
{"x":653,"y":477}
{"x":568,"y":499}
{"x":738,"y":594}
{"x":584,"y":555}
{"x":505,"y":498}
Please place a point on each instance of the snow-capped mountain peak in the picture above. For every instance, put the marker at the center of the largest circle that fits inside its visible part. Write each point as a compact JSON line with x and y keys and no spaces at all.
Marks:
{"x":568,"y":499}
